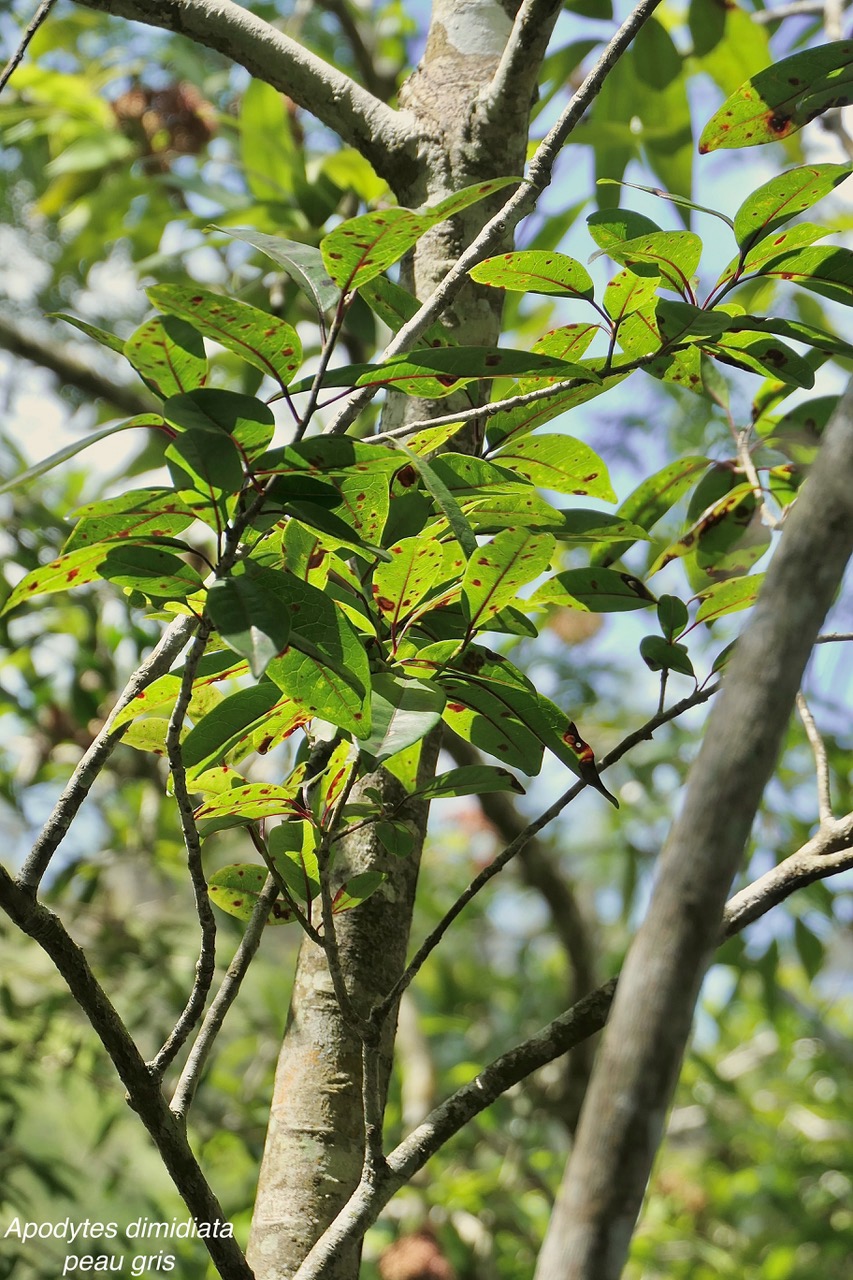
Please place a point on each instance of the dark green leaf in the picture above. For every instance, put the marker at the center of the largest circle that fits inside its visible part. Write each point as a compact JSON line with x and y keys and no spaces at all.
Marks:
{"x":250,"y":618}
{"x":403,"y":712}
{"x":658,"y":655}
{"x":471,"y":780}
{"x":651,"y":500}
{"x":155,"y":573}
{"x":595,"y":591}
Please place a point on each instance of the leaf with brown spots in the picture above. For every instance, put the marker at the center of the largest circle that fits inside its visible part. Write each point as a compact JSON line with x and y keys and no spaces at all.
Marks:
{"x":497,"y":570}
{"x":72,"y":570}
{"x":168,"y":354}
{"x":595,"y":591}
{"x":155,"y":512}
{"x":650,"y":501}
{"x":535,"y":271}
{"x":557,"y":462}
{"x":236,"y":890}
{"x":782,"y":98}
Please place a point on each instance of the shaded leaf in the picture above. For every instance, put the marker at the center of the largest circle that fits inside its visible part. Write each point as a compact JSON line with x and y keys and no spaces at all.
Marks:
{"x":595,"y":591}
{"x":659,"y":655}
{"x":302,"y":262}
{"x":229,"y":727}
{"x":249,"y":616}
{"x":168,"y":354}
{"x":471,"y":780}
{"x":154,"y":572}
{"x":293,"y":849}
{"x":651,"y":500}
{"x":403,"y":712}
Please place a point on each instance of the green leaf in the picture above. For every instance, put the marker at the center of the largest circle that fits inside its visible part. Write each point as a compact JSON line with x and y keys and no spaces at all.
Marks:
{"x":471,"y":780}
{"x":264,"y":341}
{"x":394,"y":305}
{"x":403,"y":712}
{"x":781,"y":99}
{"x":728,"y":597}
{"x":148,"y":735}
{"x":628,"y":292}
{"x":152,"y":513}
{"x":719,"y":530}
{"x":72,"y":570}
{"x":102,"y":336}
{"x":672,"y":616}
{"x":206,"y":462}
{"x":437,"y":372}
{"x":783,"y":197}
{"x":569,"y":342}
{"x":401,"y":583}
{"x":168,"y":354}
{"x":595,"y":591}
{"x":768,"y":356}
{"x":230,"y":726}
{"x":584,"y":527}
{"x":674,"y":254}
{"x":727,"y":43}
{"x":535,"y":271}
{"x":651,"y":500}
{"x":71,"y":450}
{"x":447,"y":504}
{"x":397,"y":837}
{"x":154,"y":572}
{"x":362,"y":248}
{"x":611,"y":227}
{"x":511,"y":423}
{"x":249,"y":803}
{"x":236,"y":890}
{"x":673,"y":197}
{"x":557,"y":462}
{"x":249,"y":616}
{"x":824,"y":270}
{"x":249,"y":422}
{"x":486,"y":715}
{"x":496,"y":571}
{"x":293,"y":849}
{"x":302,"y":262}
{"x":658,"y":655}
{"x":323,"y":668}
{"x":357,"y":890}
{"x":810,"y":949}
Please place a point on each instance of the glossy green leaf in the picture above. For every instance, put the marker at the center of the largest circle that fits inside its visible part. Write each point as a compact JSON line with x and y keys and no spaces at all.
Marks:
{"x":250,"y":617}
{"x":651,"y":500}
{"x":403,"y":712}
{"x":584,"y":528}
{"x":402,"y":582}
{"x":674,"y":255}
{"x":511,"y":423}
{"x":824,"y":270}
{"x":264,"y":341}
{"x":302,"y":262}
{"x":357,"y":890}
{"x":799,"y":236}
{"x":361,"y":248}
{"x":557,"y":462}
{"x":783,"y":197}
{"x":152,"y":571}
{"x":139,"y":513}
{"x":595,"y":591}
{"x":249,"y":803}
{"x":206,"y":462}
{"x":720,"y":528}
{"x":72,"y":570}
{"x":569,"y":342}
{"x":248,"y":421}
{"x":659,"y":655}
{"x":535,"y":271}
{"x":768,"y":356}
{"x":497,"y":570}
{"x":230,"y":726}
{"x":293,"y":849}
{"x":236,"y":890}
{"x":437,"y":372}
{"x":486,"y":716}
{"x":781,"y":99}
{"x":168,"y":354}
{"x":471,"y":780}
{"x":672,"y":616}
{"x":611,"y":227}
{"x":323,"y":668}
{"x":728,"y":597}
{"x":628,"y":292}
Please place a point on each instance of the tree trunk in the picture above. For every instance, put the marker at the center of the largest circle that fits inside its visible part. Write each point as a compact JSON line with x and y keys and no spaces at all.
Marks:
{"x":315,"y":1143}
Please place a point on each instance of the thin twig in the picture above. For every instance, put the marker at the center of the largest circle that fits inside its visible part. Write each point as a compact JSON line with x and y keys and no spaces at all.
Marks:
{"x":747,"y":466}
{"x":516,"y":208}
{"x":379,"y":1011}
{"x":225,"y":997}
{"x":834,"y":637}
{"x":206,"y":963}
{"x":818,"y":746}
{"x":371,"y":1092}
{"x":88,"y":770}
{"x":796,"y":9}
{"x":17,"y":57}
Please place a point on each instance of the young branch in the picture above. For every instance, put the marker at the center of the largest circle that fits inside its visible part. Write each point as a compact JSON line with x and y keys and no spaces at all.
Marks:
{"x":384,"y":136}
{"x":224,"y":998}
{"x":17,"y":57}
{"x":516,"y":208}
{"x":144,"y":1095}
{"x":206,"y":963}
{"x":87,"y":771}
{"x":816,"y":742}
{"x":638,"y":1063}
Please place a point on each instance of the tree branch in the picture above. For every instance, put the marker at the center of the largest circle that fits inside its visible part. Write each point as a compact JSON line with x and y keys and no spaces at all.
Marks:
{"x":144,"y":1095}
{"x":72,"y":370}
{"x":17,"y":57}
{"x":514,"y":82}
{"x":222,"y":1001}
{"x":384,"y":136}
{"x":516,"y":208}
{"x":824,"y":795}
{"x":638,"y":1063}
{"x":82,"y":779}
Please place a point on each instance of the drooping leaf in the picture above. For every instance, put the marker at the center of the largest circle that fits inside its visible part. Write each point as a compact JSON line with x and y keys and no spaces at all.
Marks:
{"x":302,"y":262}
{"x":272,"y":160}
{"x":236,"y":890}
{"x":535,"y":271}
{"x":246,"y":420}
{"x":486,"y":716}
{"x":403,"y":712}
{"x":263,"y":340}
{"x":497,"y":570}
{"x":672,"y":616}
{"x":72,"y":570}
{"x":595,"y":591}
{"x":768,"y":356}
{"x":471,"y":780}
{"x":168,"y":354}
{"x":361,"y":248}
{"x":103,"y":336}
{"x":782,"y":198}
{"x":293,"y":849}
{"x":782,"y":98}
{"x":718,"y":530}
{"x":557,"y":462}
{"x":148,"y":420}
{"x":659,"y":655}
{"x":250,"y":617}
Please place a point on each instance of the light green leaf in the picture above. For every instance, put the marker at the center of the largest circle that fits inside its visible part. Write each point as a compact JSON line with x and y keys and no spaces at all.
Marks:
{"x":236,"y":890}
{"x":72,"y":570}
{"x":783,"y":197}
{"x":154,"y":420}
{"x":471,"y":780}
{"x":302,"y":262}
{"x":153,"y":513}
{"x":168,"y":354}
{"x":496,"y":571}
{"x":293,"y":849}
{"x":728,"y":597}
{"x":401,"y":583}
{"x":557,"y":462}
{"x":535,"y":271}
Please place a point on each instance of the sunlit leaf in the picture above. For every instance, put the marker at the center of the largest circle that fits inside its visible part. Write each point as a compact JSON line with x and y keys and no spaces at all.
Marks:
{"x":236,"y":890}
{"x":535,"y":271}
